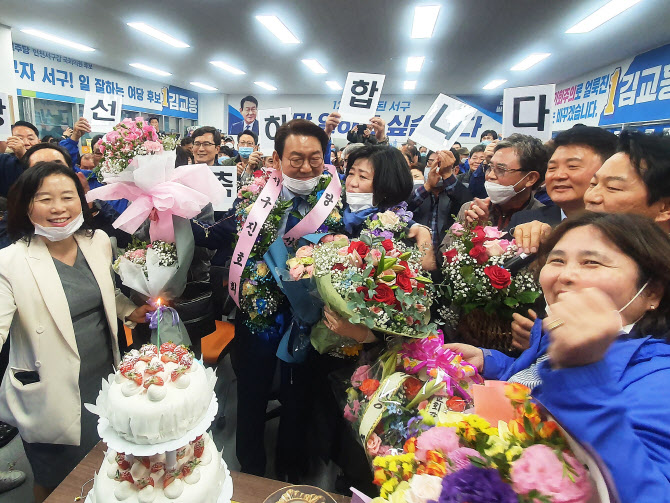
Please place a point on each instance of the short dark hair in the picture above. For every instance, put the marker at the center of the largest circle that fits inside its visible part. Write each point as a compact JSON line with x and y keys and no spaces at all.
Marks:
{"x":47,"y":138}
{"x":96,"y":139}
{"x":28,"y":125}
{"x":532,"y":153}
{"x":488,"y":132}
{"x":597,"y":139}
{"x":392,"y":182}
{"x":208,"y":129}
{"x":182,"y":156}
{"x":641,"y":239}
{"x":454,"y":144}
{"x":41,"y":146}
{"x":650,"y":156}
{"x":186,"y":140}
{"x":227,"y":151}
{"x":248,"y":132}
{"x":412,"y":150}
{"x":477,"y":148}
{"x":152,"y":118}
{"x":299,"y":127}
{"x":23,"y":191}
{"x":248,"y":98}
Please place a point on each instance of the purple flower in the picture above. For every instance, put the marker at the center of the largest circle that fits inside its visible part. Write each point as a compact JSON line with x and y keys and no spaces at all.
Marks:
{"x":476,"y":485}
{"x":386,"y":234}
{"x":323,"y":229}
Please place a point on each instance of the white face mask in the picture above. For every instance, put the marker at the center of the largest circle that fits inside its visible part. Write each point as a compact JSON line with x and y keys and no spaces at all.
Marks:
{"x":500,"y":194}
{"x":60,"y":233}
{"x":359,"y":201}
{"x":300,"y":187}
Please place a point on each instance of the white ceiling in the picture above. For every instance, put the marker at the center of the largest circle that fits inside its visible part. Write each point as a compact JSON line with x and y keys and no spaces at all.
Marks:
{"x":475,"y":41}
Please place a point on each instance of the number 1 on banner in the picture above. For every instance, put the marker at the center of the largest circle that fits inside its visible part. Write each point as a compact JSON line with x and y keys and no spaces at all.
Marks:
{"x":443,"y":124}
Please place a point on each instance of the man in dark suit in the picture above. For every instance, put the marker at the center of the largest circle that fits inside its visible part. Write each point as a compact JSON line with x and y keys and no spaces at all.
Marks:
{"x":249,"y":111}
{"x":435,"y":202}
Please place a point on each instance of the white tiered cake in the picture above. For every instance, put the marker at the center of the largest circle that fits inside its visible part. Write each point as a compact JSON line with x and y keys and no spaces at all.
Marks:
{"x":154,"y":413}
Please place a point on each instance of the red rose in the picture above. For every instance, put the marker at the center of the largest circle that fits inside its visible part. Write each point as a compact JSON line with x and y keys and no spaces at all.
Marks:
{"x":479,"y":235}
{"x":258,"y":174}
{"x":364,"y":291}
{"x":338,"y":267}
{"x":500,"y":278}
{"x":480,"y":254}
{"x":388,"y":245}
{"x":384,"y":294}
{"x":369,"y":386}
{"x":412,"y":387}
{"x":450,"y":255}
{"x":360,"y":247}
{"x":404,"y":282}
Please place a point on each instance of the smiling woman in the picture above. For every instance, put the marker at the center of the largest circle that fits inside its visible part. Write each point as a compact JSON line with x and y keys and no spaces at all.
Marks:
{"x":57,"y":295}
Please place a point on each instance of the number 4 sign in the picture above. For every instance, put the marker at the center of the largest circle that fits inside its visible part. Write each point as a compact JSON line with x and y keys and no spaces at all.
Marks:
{"x":443,"y":123}
{"x":5,"y":121}
{"x":103,"y":111}
{"x":528,"y":110}
{"x":361,"y":96}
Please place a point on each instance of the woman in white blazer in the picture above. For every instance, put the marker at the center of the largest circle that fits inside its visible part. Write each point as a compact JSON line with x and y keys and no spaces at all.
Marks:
{"x":58,"y":303}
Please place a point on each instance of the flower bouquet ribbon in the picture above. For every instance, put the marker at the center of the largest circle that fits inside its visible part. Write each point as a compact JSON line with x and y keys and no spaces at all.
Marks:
{"x":166,"y":325}
{"x":440,"y":364}
{"x":259,"y":213}
{"x":158,"y":191}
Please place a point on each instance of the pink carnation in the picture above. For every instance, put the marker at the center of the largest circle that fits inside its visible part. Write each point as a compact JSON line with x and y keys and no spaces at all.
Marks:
{"x":460,"y":458}
{"x":440,"y":438}
{"x":351,"y":412}
{"x":304,"y":251}
{"x":457,"y":229}
{"x":539,"y":469}
{"x":373,"y":444}
{"x":296,"y":272}
{"x":361,"y":374}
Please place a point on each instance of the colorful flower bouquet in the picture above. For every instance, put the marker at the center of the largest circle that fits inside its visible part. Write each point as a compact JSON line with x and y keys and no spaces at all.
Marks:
{"x":476,"y":283}
{"x":384,"y":399}
{"x":455,"y":458}
{"x":129,"y":139}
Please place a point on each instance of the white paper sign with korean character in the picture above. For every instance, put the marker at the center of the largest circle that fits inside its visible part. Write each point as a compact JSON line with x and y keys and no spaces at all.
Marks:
{"x":528,"y":110}
{"x":103,"y":111}
{"x":443,"y":123}
{"x":269,"y":122}
{"x":5,"y":121}
{"x":361,"y":96}
{"x":227,"y":175}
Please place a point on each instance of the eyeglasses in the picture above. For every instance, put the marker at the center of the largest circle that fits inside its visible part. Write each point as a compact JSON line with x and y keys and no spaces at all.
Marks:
{"x":498,"y":171}
{"x":246,"y":144}
{"x":206,"y":144}
{"x":314,"y":162}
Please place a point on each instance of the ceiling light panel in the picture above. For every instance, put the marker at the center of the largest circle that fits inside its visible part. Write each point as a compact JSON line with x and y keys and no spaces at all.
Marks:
{"x":265,"y":85}
{"x":409,"y":84}
{"x":150,"y":69}
{"x":334,"y":85}
{"x":415,"y":63}
{"x":57,"y":40}
{"x":314,"y":65}
{"x":530,"y":61}
{"x":278,"y":29}
{"x":602,"y":15}
{"x":203,"y":86}
{"x":158,"y":35}
{"x":227,"y":67}
{"x":425,"y":17}
{"x":494,"y":83}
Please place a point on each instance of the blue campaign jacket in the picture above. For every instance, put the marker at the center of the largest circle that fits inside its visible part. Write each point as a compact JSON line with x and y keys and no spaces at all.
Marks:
{"x":618,"y":405}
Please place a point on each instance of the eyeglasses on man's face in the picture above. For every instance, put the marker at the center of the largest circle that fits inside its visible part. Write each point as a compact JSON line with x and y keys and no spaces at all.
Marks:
{"x":498,"y":171}
{"x":206,"y":144}
{"x":298,"y":162}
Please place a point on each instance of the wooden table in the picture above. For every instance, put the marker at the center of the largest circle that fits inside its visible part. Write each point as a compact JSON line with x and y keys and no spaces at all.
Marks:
{"x":246,"y":488}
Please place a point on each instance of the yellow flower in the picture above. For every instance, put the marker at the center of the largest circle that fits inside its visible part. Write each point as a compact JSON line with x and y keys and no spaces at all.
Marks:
{"x":352,"y":350}
{"x":262,"y":269}
{"x":516,"y":392}
{"x":390,"y":485}
{"x":513,"y":452}
{"x":248,"y":288}
{"x":407,"y":468}
{"x":393,"y":466}
{"x":496,"y":445}
{"x":335,"y":215}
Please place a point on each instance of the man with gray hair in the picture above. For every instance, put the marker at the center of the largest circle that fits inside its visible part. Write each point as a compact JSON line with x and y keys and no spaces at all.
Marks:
{"x":347,"y":152}
{"x":516,"y":170}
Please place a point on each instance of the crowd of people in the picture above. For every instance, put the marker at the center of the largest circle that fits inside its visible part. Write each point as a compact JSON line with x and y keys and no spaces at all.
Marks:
{"x":590,"y":209}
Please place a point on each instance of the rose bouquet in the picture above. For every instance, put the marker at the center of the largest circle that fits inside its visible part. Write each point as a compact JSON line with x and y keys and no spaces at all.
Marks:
{"x":461,"y":457}
{"x":129,"y":139}
{"x":476,"y":282}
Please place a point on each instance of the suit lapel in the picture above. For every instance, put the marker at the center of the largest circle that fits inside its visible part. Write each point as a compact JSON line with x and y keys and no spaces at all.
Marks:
{"x":48,"y":281}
